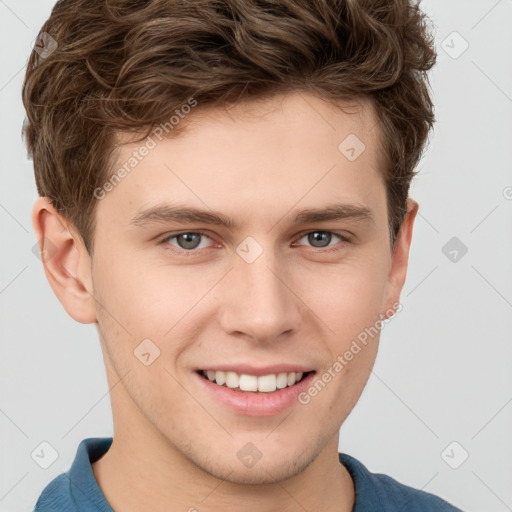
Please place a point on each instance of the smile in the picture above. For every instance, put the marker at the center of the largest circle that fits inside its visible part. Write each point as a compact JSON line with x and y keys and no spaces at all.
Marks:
{"x":255,"y":391}
{"x":245,"y":382}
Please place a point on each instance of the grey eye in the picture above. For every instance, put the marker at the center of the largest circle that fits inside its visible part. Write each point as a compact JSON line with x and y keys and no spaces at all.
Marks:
{"x":188,"y":240}
{"x":319,"y":238}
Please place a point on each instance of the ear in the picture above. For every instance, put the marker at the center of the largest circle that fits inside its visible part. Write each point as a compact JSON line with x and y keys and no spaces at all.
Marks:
{"x":400,"y":258}
{"x":66,"y":262}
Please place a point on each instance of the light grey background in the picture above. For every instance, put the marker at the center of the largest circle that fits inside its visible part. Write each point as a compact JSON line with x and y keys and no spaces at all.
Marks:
{"x":443,"y":373}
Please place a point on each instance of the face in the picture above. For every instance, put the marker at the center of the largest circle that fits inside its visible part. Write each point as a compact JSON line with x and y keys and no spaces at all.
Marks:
{"x":279,"y":290}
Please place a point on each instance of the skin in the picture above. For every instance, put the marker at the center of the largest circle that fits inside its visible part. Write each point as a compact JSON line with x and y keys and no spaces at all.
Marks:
{"x":174,"y":447}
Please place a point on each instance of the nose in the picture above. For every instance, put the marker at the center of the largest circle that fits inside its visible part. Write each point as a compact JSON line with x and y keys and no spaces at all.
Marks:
{"x":259,"y":300}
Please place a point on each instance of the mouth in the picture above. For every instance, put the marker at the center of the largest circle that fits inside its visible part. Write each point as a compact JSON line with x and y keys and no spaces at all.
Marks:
{"x":247,"y":383}
{"x":255,"y":392}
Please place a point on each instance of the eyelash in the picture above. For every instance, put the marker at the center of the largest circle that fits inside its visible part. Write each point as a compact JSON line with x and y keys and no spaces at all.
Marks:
{"x":193,"y":252}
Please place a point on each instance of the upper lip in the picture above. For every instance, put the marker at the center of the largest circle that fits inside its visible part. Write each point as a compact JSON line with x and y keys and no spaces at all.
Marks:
{"x":258,"y":370}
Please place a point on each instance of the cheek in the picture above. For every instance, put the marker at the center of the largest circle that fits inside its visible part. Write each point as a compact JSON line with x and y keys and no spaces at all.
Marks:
{"x":147,"y":300}
{"x":347,"y":297}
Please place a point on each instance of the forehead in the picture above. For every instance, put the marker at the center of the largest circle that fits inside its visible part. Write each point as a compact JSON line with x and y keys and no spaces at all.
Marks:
{"x":257,"y":159}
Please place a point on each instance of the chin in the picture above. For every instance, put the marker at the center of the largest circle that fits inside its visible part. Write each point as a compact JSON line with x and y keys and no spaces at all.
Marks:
{"x":266,"y":470}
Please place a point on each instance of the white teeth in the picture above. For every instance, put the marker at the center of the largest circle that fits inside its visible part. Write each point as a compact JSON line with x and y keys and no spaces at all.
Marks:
{"x":220,"y":377}
{"x":248,"y":383}
{"x":245,"y":382}
{"x":232,"y":380}
{"x":267,"y":383}
{"x":282,"y":380}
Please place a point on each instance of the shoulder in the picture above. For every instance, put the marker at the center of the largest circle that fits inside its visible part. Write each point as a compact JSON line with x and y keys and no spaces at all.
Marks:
{"x":77,"y":489}
{"x":376,"y":491}
{"x":55,"y":496}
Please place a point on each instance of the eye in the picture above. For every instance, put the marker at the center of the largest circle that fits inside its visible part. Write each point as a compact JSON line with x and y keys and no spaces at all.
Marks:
{"x":322,"y":239}
{"x":186,"y":241}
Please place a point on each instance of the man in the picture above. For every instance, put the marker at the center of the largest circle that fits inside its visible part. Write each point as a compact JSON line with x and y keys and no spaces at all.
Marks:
{"x":224,"y":194}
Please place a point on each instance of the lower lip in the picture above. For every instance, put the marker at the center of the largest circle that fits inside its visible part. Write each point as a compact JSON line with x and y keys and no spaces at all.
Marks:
{"x":257,"y":404}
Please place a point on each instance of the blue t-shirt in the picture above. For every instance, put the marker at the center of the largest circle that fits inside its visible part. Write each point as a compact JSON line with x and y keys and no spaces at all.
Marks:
{"x":77,"y":489}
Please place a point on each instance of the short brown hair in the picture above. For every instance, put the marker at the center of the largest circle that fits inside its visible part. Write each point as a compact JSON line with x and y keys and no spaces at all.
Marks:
{"x":126,"y":65}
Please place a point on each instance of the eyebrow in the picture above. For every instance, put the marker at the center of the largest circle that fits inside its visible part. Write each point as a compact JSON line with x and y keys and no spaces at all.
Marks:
{"x":165,"y":213}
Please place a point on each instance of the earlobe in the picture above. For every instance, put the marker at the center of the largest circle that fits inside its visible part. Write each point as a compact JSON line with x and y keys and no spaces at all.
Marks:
{"x":65,"y":261}
{"x":400,"y":257}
